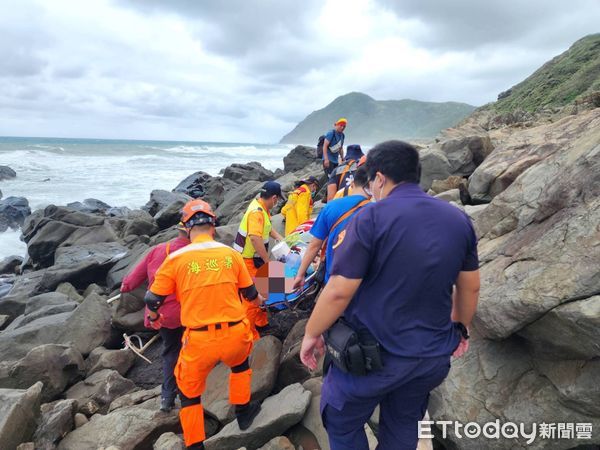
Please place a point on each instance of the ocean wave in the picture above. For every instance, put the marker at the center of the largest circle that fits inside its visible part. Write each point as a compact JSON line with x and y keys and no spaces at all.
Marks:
{"x":11,"y":244}
{"x":50,"y":148}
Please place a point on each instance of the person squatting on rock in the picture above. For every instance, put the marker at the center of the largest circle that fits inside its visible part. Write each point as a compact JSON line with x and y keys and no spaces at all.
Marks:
{"x":332,"y":219}
{"x":333,"y":146}
{"x":169,"y":328}
{"x":252,"y":241}
{"x":299,"y":204}
{"x":341,"y":177}
{"x":207,"y":278}
{"x":394,"y":268}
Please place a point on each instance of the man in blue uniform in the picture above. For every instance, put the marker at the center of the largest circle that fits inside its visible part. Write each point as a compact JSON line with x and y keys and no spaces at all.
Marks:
{"x":394,"y":270}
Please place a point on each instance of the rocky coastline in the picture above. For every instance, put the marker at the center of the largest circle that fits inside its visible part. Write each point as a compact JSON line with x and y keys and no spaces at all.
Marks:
{"x":533,"y":192}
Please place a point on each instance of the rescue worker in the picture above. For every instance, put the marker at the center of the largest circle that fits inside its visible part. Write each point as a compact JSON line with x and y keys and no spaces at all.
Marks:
{"x":407,"y":251}
{"x":347,"y":190}
{"x":342,"y":175}
{"x":332,"y":219}
{"x":299,"y":205}
{"x":252,"y":241}
{"x":333,"y":146}
{"x":207,"y":278}
{"x":170,"y":330}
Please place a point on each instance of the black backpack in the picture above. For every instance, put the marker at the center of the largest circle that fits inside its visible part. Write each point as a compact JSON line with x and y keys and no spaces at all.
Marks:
{"x":320,"y":146}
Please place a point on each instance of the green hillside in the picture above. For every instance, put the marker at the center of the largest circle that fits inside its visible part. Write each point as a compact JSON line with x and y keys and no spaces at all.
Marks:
{"x":371,"y":121}
{"x":570,"y":76}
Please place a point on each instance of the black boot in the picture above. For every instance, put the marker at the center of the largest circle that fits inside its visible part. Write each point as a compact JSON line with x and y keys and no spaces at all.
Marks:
{"x":167,"y":404}
{"x":245,"y":414}
{"x":196,"y":446}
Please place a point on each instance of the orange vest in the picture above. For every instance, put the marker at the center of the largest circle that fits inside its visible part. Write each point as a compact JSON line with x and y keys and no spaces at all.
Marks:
{"x":205,"y":277}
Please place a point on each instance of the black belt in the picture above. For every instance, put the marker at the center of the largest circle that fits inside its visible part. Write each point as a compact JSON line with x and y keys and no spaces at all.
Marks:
{"x":218,"y":326}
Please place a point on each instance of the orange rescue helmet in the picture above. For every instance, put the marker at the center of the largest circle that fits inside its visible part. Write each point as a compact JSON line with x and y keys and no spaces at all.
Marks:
{"x":197,"y":207}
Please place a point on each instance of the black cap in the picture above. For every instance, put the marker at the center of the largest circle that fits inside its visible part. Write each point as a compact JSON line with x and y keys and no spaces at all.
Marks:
{"x":312,"y":180}
{"x":272,"y":188}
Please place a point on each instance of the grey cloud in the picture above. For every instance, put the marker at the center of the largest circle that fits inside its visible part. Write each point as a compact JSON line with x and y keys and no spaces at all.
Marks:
{"x":465,"y":24}
{"x":70,"y":72}
{"x":236,"y":27}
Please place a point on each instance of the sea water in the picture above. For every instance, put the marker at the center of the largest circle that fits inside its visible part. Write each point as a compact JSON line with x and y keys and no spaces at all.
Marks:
{"x":118,"y":172}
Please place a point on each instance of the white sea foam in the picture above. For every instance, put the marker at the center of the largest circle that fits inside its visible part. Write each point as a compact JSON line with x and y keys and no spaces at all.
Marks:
{"x":116,"y":172}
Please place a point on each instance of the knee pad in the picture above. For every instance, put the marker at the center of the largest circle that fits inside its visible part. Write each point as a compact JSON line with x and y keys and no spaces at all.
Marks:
{"x":241,"y":367}
{"x":186,"y":401}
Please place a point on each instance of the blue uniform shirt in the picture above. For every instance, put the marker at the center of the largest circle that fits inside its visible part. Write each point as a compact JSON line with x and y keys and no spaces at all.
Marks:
{"x":408,"y":248}
{"x":335,"y":140}
{"x":328,"y":216}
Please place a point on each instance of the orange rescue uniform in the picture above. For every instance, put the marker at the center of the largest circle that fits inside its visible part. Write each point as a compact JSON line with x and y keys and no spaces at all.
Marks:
{"x":206,"y":277}
{"x":257,"y":316}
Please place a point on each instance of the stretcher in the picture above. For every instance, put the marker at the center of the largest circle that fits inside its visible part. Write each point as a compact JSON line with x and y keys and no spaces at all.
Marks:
{"x":278,"y":301}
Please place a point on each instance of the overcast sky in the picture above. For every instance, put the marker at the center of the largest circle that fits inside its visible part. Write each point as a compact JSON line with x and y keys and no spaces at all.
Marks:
{"x":250,"y":70}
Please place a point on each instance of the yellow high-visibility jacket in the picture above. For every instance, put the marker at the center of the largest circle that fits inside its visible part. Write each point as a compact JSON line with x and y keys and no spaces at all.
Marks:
{"x":298,"y":208}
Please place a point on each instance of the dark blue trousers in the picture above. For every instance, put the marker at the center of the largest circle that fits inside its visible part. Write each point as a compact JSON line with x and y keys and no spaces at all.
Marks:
{"x":401,"y":389}
{"x":171,"y":339}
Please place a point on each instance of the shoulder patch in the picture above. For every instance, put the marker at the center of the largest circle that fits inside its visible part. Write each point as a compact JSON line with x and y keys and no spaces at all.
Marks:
{"x":339,"y":240}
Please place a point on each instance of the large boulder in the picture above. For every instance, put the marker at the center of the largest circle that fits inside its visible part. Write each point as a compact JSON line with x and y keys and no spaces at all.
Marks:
{"x":452,"y":182}
{"x":90,"y":206}
{"x":56,"y":366}
{"x":7,"y":173}
{"x":496,"y":381}
{"x":40,"y":313}
{"x":104,"y":254}
{"x":569,"y":331}
{"x":55,"y":422}
{"x":236,"y":201}
{"x":13,"y":211}
{"x":252,"y":171}
{"x":202,"y":185}
{"x":465,"y":148}
{"x":56,"y":226}
{"x":10,"y":264}
{"x":169,"y":441}
{"x":129,"y":428}
{"x":312,"y":420}
{"x":169,"y":215}
{"x":278,"y":413}
{"x":134,"y":398}
{"x":101,"y":358}
{"x":47,"y":280}
{"x":128,"y":314}
{"x":226,"y":234}
{"x":434,"y":166}
{"x":160,"y":199}
{"x":115,"y":275}
{"x":278,"y":443}
{"x":518,"y":151}
{"x":291,"y":369}
{"x":19,"y":410}
{"x":22,"y":304}
{"x":314,"y":169}
{"x":535,"y":256}
{"x":96,"y":392}
{"x":298,"y":158}
{"x":85,"y":328}
{"x":535,"y":333}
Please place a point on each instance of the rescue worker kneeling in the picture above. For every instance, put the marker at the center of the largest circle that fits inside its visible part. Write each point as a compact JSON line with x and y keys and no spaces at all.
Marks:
{"x":207,"y":278}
